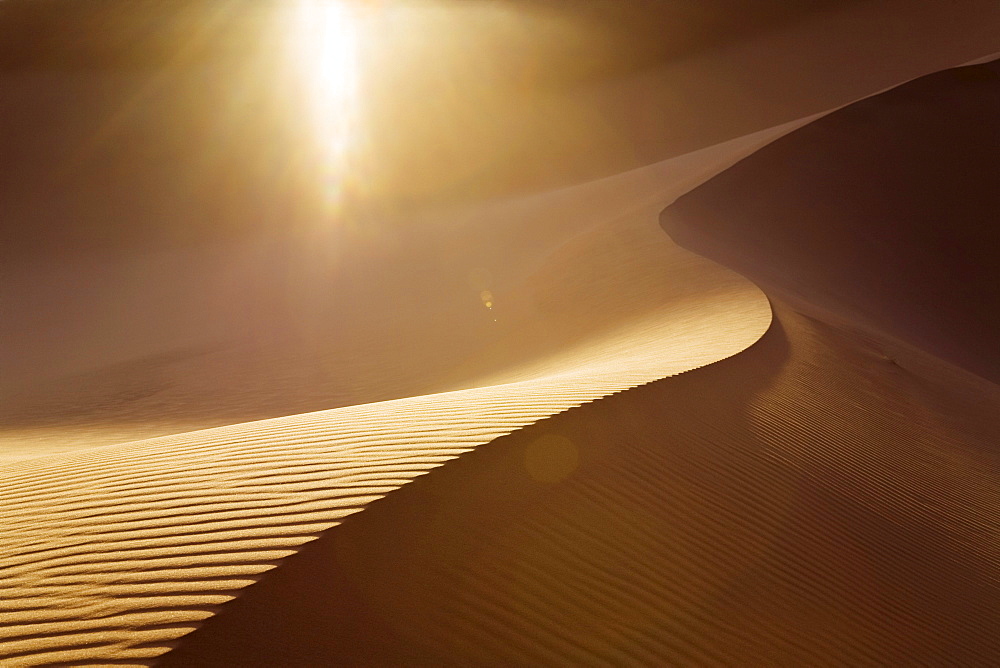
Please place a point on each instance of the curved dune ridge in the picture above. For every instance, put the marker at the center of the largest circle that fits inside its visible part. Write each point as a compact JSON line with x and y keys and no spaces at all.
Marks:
{"x":280,"y":328}
{"x":890,"y":204}
{"x":112,"y":553}
{"x":830,"y":496}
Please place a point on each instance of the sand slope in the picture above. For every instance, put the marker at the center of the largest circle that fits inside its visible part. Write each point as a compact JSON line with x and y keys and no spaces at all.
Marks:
{"x":889,"y":204}
{"x":830,"y":496}
{"x":806,"y":502}
{"x":225,"y":334}
{"x":114,"y":552}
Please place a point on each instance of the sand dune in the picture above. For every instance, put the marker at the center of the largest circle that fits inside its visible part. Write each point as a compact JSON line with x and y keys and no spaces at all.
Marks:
{"x":889,"y":205}
{"x":116,"y":551}
{"x":806,"y":502}
{"x":829,"y":496}
{"x":550,"y":435}
{"x":279,"y":332}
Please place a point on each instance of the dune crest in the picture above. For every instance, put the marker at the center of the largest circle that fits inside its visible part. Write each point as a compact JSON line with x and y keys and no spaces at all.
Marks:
{"x":881,"y":215}
{"x":802,"y":503}
{"x":276,"y":329}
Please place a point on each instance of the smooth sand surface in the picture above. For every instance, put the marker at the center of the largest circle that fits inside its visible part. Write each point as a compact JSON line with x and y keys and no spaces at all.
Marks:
{"x":626,"y":457}
{"x":890,"y":204}
{"x":296,"y":325}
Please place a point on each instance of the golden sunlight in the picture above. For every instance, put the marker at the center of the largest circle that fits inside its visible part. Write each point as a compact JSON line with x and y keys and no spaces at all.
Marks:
{"x":325,"y":42}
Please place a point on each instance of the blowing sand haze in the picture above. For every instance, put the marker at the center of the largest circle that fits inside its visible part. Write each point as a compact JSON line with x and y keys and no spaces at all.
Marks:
{"x":515,"y":333}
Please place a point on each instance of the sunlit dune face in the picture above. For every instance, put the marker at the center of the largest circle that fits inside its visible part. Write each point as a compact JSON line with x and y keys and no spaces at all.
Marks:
{"x":325,"y":44}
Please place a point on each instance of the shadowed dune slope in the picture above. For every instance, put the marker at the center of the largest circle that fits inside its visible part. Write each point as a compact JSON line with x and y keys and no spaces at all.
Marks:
{"x":806,"y":502}
{"x":884,"y":212}
{"x":110,"y":554}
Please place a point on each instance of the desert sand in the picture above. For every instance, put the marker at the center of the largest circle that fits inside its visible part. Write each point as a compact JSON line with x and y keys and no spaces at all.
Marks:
{"x":731,"y":399}
{"x":828,"y":496}
{"x":309,"y":342}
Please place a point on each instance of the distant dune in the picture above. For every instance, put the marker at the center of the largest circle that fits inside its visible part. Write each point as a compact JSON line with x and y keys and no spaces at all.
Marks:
{"x":883,"y":214}
{"x":536,"y":430}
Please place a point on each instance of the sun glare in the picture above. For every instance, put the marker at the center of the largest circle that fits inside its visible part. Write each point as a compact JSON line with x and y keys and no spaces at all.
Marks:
{"x":325,"y":41}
